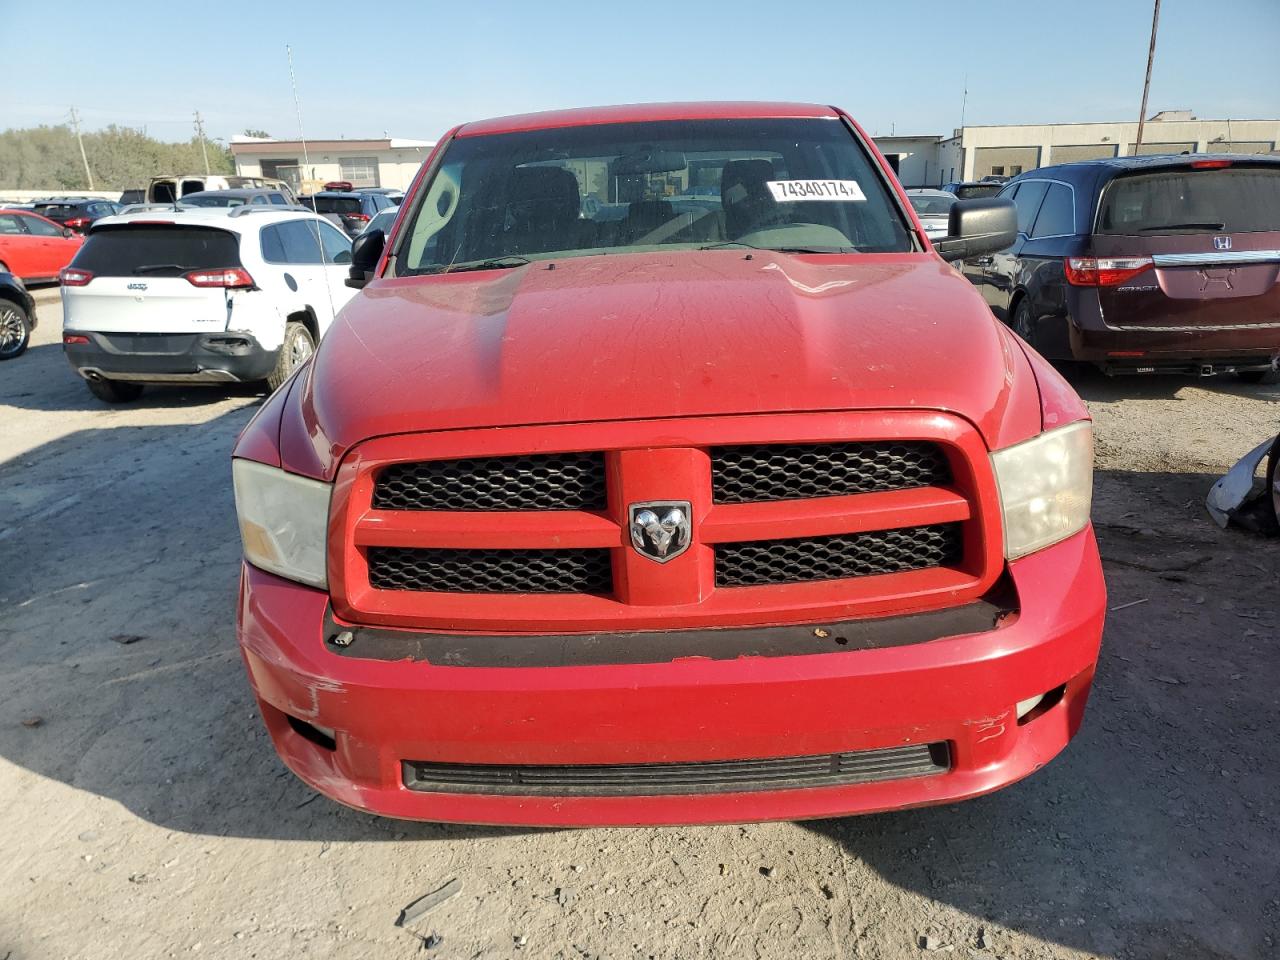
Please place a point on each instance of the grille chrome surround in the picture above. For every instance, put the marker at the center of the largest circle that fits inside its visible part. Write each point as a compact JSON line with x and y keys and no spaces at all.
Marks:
{"x":553,"y":481}
{"x":676,"y":779}
{"x":490,"y":571}
{"x":757,"y":563}
{"x":763,"y":472}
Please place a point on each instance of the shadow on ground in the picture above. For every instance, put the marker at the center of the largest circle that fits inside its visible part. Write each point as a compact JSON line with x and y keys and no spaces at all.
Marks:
{"x":1162,"y":812}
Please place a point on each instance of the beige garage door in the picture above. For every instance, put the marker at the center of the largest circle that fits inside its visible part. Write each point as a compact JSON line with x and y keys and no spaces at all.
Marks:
{"x":1243,"y":146}
{"x":1070,"y":153}
{"x":1149,"y":148}
{"x":1008,"y":161}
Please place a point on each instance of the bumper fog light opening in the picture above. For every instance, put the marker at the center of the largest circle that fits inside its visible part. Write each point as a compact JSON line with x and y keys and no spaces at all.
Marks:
{"x":320,"y":736}
{"x":1027,"y":710}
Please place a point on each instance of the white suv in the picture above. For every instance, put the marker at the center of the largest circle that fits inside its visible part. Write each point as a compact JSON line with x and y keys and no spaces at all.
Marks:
{"x":203,"y":296}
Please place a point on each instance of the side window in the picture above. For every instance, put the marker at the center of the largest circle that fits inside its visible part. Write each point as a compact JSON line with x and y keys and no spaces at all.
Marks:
{"x":41,"y":228}
{"x":272,"y":245}
{"x":259,"y":200}
{"x":278,"y":200}
{"x":300,"y":241}
{"x":337,"y":248}
{"x":11,"y":225}
{"x":1057,"y":213}
{"x":1028,"y":203}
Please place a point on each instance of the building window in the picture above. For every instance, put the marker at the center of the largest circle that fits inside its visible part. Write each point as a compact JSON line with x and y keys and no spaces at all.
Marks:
{"x":999,"y":171}
{"x":1015,"y":169}
{"x":359,"y":171}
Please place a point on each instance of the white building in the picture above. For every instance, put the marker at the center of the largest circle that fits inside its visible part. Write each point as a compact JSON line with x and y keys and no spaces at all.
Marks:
{"x":365,"y":163}
{"x":973,"y":152}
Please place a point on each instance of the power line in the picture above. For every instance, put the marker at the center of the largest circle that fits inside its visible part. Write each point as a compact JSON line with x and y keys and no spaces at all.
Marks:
{"x":75,"y":123}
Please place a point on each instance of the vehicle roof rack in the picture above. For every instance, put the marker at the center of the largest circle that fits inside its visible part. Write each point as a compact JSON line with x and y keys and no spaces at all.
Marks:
{"x":244,"y":209}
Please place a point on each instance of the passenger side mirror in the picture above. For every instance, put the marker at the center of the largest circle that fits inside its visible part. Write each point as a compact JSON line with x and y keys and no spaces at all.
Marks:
{"x":975,"y":227}
{"x":68,"y":232}
{"x":365,"y":254}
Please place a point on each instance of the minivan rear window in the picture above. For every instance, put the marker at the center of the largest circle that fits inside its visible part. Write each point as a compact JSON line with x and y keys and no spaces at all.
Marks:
{"x":1232,"y":200}
{"x":337,"y":205}
{"x":156,"y":250}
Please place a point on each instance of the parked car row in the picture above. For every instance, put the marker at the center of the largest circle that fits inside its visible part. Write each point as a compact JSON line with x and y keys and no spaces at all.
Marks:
{"x":33,"y":247}
{"x":215,"y":294}
{"x":348,"y":207}
{"x":1144,"y":264}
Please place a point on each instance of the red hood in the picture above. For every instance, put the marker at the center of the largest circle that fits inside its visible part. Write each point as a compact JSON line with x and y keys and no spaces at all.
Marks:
{"x":640,"y":336}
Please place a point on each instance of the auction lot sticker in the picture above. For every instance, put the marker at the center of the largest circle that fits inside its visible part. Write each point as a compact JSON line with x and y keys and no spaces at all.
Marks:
{"x":788,"y":191}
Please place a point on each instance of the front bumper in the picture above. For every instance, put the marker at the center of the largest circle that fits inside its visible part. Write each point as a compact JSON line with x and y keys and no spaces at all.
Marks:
{"x":958,"y":690}
{"x":225,"y":357}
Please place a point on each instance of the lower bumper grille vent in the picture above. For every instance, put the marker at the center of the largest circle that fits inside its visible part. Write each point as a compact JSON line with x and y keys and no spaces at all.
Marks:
{"x":674,"y":779}
{"x":490,"y":571}
{"x":761,"y":562}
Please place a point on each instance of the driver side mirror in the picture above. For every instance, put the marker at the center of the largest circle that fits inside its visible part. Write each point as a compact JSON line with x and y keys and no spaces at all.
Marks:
{"x":68,"y":232}
{"x":365,"y":254}
{"x":976,"y":227}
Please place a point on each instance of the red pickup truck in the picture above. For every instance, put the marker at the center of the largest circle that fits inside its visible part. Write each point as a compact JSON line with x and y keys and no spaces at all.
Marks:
{"x":664,"y":471}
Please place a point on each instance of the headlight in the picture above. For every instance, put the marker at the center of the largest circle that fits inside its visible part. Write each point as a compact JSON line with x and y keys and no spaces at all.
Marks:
{"x":283,"y":520}
{"x":1046,"y":488}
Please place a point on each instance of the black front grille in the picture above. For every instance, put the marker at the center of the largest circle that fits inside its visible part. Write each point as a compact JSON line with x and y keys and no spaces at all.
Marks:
{"x":760,"y":562}
{"x":752,"y":474}
{"x":660,"y":779}
{"x":490,"y":571}
{"x":556,"y":481}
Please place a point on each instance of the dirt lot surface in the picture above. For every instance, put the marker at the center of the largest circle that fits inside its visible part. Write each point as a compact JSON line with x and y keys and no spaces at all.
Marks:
{"x":146,"y":815}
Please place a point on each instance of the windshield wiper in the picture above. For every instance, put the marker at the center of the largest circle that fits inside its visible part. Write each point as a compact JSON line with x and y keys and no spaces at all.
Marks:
{"x":153,"y":267}
{"x":1183,"y":226}
{"x":496,"y":263}
{"x":752,"y":246}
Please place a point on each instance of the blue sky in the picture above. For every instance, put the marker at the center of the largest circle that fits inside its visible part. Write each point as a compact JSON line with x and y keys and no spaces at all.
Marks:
{"x":415,"y":69}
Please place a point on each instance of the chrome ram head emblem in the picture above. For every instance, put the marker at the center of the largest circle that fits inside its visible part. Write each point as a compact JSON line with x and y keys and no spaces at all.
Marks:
{"x":661,"y":529}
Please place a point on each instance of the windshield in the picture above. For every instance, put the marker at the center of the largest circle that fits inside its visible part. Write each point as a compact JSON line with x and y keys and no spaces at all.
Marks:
{"x":157,"y":250}
{"x":793,"y":184}
{"x":971,"y":191}
{"x":931,"y":206}
{"x":222,"y":201}
{"x":383,"y":220}
{"x":1234,"y":200}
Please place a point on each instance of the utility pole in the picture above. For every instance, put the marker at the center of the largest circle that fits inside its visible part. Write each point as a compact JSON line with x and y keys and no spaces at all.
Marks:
{"x":204,"y":149}
{"x":75,"y":124}
{"x":1146,"y":86}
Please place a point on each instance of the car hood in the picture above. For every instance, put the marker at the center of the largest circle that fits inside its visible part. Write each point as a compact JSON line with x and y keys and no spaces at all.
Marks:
{"x":648,"y":335}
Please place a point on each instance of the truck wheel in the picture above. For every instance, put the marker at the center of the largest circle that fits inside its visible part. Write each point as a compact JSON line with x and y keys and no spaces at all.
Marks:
{"x":114,"y":391}
{"x":1267,"y":377}
{"x":15,"y":330}
{"x":296,"y":349}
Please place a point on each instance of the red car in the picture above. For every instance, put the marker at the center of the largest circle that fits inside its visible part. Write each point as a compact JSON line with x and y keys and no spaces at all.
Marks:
{"x":640,"y":511}
{"x":33,"y":247}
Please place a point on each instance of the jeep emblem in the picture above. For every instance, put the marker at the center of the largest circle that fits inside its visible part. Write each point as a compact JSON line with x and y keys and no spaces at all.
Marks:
{"x":661,"y":529}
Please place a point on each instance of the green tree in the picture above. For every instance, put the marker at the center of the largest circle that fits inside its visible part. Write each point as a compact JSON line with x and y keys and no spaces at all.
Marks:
{"x":48,"y":158}
{"x":260,"y":134}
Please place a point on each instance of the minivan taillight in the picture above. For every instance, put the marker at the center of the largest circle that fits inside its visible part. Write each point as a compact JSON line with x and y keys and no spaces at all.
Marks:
{"x":71,"y":277}
{"x":231,"y":278}
{"x":1104,"y":271}
{"x":75,"y":223}
{"x":362,"y":217}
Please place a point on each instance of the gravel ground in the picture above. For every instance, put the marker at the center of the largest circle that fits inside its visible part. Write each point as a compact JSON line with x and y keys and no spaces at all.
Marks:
{"x":146,"y":814}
